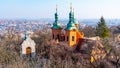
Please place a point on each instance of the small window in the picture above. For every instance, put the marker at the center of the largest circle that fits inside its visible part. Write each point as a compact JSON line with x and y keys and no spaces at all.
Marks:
{"x":53,"y":36}
{"x":67,"y":38}
{"x":64,"y":38}
{"x":58,"y":37}
{"x":72,"y":38}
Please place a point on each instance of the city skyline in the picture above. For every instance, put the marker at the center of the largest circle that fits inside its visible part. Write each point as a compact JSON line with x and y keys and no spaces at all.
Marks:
{"x":84,"y":9}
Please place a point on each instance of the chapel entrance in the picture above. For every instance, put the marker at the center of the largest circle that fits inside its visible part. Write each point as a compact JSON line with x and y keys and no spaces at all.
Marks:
{"x":28,"y":52}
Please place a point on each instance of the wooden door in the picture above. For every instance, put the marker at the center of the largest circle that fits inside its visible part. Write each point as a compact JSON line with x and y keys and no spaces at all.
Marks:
{"x":28,"y":52}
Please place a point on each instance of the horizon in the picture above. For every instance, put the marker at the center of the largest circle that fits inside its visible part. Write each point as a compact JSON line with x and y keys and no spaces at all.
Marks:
{"x":58,"y":19}
{"x":29,"y":9}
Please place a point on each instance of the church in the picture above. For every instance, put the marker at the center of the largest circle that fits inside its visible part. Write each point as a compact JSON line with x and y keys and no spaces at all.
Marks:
{"x":70,"y":34}
{"x":27,"y":48}
{"x":73,"y":37}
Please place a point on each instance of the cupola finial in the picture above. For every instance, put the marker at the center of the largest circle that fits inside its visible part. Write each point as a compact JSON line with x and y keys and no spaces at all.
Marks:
{"x":70,"y":6}
{"x":73,"y":12}
{"x":56,"y":7}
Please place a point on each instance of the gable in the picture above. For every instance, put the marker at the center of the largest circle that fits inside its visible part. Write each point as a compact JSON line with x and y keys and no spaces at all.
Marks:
{"x":28,"y":43}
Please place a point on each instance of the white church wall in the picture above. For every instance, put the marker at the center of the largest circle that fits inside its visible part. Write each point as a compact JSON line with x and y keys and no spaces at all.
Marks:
{"x":28,"y":43}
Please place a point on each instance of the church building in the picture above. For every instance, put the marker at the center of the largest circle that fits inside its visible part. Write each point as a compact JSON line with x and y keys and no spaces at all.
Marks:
{"x":71,"y":34}
{"x":73,"y":37}
{"x":27,"y":48}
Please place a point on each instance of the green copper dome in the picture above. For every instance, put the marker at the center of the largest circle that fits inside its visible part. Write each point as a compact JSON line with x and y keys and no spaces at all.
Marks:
{"x":56,"y":24}
{"x":70,"y":25}
{"x":75,"y":21}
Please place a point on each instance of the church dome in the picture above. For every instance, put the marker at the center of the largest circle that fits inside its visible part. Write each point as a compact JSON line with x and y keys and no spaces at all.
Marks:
{"x":76,"y":21}
{"x":70,"y":25}
{"x":56,"y":24}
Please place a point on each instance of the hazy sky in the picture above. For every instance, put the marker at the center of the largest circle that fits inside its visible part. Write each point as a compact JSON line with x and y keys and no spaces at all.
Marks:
{"x":35,"y":9}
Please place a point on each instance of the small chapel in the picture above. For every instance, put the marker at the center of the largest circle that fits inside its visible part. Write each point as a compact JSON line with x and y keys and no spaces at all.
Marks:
{"x":70,"y":34}
{"x":27,"y":48}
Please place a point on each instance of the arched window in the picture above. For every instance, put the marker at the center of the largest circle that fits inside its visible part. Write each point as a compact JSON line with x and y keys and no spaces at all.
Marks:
{"x":58,"y":37}
{"x":63,"y":38}
{"x":53,"y":36}
{"x":67,"y":38}
{"x":72,"y":38}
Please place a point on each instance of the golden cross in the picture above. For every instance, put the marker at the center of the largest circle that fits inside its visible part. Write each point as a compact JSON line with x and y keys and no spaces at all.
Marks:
{"x":56,"y":7}
{"x":71,"y":6}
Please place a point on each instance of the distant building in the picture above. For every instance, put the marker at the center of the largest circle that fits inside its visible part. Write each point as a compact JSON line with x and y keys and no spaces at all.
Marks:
{"x":27,"y":48}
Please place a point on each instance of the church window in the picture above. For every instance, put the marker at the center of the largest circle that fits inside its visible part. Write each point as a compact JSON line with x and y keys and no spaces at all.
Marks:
{"x":58,"y":37}
{"x":53,"y":36}
{"x":72,"y":38}
{"x":67,"y":38}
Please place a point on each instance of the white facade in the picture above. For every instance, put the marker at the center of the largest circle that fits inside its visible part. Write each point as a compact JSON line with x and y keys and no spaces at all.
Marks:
{"x":28,"y":43}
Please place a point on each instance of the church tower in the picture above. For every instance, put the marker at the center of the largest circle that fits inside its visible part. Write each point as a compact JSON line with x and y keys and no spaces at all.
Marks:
{"x":56,"y":28}
{"x":70,"y":35}
{"x":75,"y":21}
